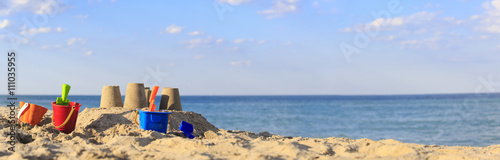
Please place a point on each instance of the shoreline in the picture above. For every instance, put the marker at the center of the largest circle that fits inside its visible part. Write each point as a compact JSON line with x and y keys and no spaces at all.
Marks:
{"x":111,"y":133}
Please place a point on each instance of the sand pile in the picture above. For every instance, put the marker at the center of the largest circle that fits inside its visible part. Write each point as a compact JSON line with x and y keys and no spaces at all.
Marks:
{"x":110,"y":133}
{"x":120,"y":121}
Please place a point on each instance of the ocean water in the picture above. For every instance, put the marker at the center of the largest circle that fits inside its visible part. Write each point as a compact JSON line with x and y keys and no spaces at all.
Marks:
{"x":458,"y":119}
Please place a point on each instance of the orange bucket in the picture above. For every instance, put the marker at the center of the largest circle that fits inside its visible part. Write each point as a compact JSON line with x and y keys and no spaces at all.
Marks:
{"x":31,"y":113}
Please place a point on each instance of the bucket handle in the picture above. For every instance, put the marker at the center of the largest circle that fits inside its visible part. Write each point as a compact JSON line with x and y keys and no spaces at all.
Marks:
{"x":23,"y":109}
{"x":137,"y":112}
{"x":67,"y":119}
{"x":135,"y":118}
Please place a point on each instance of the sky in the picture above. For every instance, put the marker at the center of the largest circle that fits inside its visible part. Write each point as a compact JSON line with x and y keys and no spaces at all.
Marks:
{"x":254,"y":47}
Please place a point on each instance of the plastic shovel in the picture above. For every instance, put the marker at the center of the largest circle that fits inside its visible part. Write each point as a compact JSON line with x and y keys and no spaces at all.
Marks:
{"x":152,"y":105}
{"x":63,"y":100}
{"x":187,"y":129}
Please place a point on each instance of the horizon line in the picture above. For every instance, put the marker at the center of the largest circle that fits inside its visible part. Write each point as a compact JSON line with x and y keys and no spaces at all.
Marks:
{"x":415,"y":94}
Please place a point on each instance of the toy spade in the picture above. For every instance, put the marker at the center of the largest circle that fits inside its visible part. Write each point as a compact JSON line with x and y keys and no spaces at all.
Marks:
{"x":63,"y":100}
{"x":152,"y":105}
{"x":187,"y":129}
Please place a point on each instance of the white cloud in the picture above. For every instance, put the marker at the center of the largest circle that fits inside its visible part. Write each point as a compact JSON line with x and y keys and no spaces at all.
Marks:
{"x":44,"y":30}
{"x":82,"y":16}
{"x":490,"y":20}
{"x":172,"y":29}
{"x":46,"y":47}
{"x":59,"y":29}
{"x":415,"y":22}
{"x":239,"y":41}
{"x":315,"y":4}
{"x":438,"y":40}
{"x":241,"y":63}
{"x":474,"y":17}
{"x":347,"y":29}
{"x":391,"y":37}
{"x":220,"y":40}
{"x":46,"y":7}
{"x":199,"y":41}
{"x":88,"y":53}
{"x":33,"y":31}
{"x":261,"y":41}
{"x":234,"y":2}
{"x":4,"y":23}
{"x":72,"y":41}
{"x":19,"y":2}
{"x":5,"y":12}
{"x":427,"y":28}
{"x":280,"y":8}
{"x":35,"y":6}
{"x":195,"y":33}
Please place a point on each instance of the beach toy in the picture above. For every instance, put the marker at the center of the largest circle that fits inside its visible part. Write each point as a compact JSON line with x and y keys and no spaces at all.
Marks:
{"x":187,"y":129}
{"x":156,"y":121}
{"x":31,"y":113}
{"x":135,"y":97}
{"x":147,"y":92}
{"x":64,"y":117}
{"x":111,"y":97}
{"x":63,"y":100}
{"x":152,"y":105}
{"x":170,"y":99}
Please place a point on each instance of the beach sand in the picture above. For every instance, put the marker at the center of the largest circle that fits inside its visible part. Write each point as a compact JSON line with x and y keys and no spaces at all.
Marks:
{"x":110,"y":133}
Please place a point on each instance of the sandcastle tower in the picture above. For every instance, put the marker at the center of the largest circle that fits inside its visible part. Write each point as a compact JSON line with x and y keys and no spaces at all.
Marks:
{"x":135,"y":97}
{"x":170,"y":99}
{"x":111,"y":97}
{"x":147,"y":91}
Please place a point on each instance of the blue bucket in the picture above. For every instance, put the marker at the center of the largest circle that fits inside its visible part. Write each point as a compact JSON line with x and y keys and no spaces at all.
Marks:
{"x":156,"y":121}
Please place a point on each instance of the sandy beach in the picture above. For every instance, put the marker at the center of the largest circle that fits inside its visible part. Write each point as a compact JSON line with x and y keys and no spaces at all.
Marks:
{"x":110,"y":133}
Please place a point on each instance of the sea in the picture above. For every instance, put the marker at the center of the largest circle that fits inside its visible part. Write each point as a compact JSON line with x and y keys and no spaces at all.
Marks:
{"x":444,"y":119}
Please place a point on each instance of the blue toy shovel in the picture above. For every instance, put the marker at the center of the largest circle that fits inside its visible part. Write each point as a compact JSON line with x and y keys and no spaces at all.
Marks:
{"x":187,"y":129}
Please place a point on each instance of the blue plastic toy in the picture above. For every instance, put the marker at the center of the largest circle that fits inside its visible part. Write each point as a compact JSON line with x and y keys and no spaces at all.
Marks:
{"x":187,"y":129}
{"x":156,"y":121}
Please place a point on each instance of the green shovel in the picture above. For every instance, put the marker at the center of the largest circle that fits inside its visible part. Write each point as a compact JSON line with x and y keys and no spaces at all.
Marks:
{"x":63,"y":100}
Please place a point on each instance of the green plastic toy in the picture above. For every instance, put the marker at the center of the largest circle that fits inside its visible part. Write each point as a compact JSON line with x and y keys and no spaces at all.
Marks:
{"x":63,"y":100}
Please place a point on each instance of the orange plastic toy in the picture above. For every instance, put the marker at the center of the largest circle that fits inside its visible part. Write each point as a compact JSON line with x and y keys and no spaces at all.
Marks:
{"x":31,"y":113}
{"x":152,"y":105}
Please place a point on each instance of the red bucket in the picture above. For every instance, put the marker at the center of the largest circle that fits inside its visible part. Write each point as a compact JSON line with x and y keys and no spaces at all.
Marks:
{"x":64,"y":117}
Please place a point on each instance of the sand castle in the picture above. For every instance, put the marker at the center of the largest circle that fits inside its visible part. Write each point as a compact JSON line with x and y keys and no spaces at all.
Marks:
{"x":170,"y":99}
{"x":111,"y":97}
{"x":135,"y":97}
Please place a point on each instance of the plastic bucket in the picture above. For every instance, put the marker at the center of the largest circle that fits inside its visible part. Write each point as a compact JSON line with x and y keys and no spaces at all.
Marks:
{"x":31,"y":113}
{"x":64,"y":117}
{"x":156,"y":121}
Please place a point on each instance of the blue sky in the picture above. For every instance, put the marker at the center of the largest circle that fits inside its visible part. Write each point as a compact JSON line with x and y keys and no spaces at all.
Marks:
{"x":252,"y":47}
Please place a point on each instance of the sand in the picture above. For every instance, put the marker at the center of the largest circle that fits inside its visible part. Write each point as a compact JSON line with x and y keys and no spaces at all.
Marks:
{"x":110,"y":133}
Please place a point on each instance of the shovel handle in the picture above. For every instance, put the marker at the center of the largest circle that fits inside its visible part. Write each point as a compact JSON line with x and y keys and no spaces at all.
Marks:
{"x":152,"y":97}
{"x":65,"y":91}
{"x":67,"y":119}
